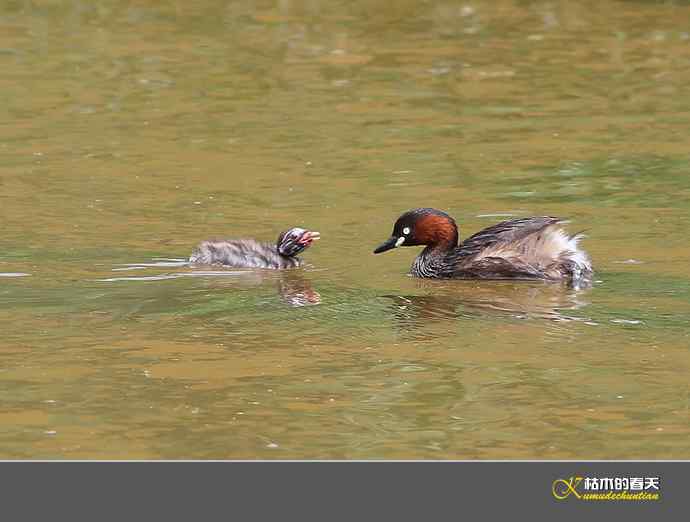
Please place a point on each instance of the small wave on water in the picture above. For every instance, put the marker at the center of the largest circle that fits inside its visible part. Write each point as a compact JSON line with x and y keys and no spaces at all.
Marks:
{"x":294,"y":288}
{"x":157,"y":263}
{"x":176,"y":275}
{"x":170,"y":263}
{"x":14,"y":274}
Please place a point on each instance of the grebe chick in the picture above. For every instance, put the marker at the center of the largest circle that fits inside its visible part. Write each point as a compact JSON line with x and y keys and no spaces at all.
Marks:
{"x":527,"y":248}
{"x":248,"y":253}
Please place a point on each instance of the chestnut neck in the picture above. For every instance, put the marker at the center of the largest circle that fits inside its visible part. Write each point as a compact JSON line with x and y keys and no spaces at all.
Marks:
{"x":443,"y":245}
{"x":439,"y":234}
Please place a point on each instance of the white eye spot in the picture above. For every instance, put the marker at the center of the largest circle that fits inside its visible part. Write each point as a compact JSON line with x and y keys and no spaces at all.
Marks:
{"x":400,"y":241}
{"x":406,"y":230}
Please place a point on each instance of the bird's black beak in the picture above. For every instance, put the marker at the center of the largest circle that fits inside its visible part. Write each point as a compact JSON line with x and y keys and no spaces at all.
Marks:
{"x":387,"y":245}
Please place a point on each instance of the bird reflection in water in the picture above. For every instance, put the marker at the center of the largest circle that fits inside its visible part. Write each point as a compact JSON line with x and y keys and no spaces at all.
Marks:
{"x":294,"y":288}
{"x":460,"y":299}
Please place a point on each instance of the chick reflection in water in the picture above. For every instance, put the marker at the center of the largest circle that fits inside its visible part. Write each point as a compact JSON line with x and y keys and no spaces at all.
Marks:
{"x":294,"y":288}
{"x":519,"y":301}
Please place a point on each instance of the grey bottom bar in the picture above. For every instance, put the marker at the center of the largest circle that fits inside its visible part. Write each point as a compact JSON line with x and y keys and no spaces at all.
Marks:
{"x":323,"y":491}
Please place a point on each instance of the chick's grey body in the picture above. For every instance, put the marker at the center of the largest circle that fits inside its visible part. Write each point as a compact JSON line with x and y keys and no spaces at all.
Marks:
{"x":242,"y":253}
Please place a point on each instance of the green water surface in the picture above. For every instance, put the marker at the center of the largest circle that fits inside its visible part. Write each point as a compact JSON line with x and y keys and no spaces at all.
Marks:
{"x":131,"y":130}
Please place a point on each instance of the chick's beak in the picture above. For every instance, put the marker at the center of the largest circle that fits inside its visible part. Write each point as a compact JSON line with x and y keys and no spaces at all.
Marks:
{"x":389,"y":244}
{"x":308,"y":238}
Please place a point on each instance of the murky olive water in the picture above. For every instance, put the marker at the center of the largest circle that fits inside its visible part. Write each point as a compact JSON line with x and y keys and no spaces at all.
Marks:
{"x":131,"y":130}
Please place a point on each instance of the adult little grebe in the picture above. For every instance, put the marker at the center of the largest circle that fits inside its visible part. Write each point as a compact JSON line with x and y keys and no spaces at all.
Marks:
{"x":526,"y":248}
{"x":248,"y":253}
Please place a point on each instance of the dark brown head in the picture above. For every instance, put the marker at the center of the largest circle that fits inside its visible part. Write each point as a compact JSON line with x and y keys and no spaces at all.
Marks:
{"x":293,"y":241}
{"x":422,"y":226}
